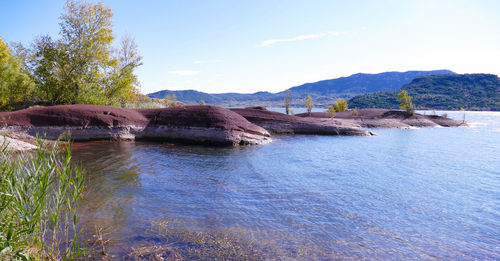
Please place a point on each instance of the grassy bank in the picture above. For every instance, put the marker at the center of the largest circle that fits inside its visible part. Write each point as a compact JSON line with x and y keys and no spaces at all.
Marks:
{"x":39,"y":195}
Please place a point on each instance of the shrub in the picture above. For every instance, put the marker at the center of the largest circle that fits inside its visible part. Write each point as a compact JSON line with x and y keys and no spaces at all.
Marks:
{"x":355,"y":112}
{"x":309,"y":104}
{"x":331,"y":111}
{"x":340,"y":105}
{"x":406,"y":102}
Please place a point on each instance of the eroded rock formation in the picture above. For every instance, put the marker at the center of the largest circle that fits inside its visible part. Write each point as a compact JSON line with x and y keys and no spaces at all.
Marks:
{"x":384,"y":118}
{"x":193,"y":124}
{"x":280,"y":123}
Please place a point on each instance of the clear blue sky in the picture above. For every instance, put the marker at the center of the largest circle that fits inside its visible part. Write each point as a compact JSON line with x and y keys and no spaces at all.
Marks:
{"x":270,"y":45}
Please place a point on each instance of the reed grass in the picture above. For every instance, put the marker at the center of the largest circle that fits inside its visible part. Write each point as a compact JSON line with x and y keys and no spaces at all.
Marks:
{"x":39,"y":195}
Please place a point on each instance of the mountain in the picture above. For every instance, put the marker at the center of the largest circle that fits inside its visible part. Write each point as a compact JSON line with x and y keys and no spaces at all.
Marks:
{"x":188,"y":96}
{"x":322,"y":92}
{"x":360,"y":83}
{"x":226,"y":99}
{"x":446,"y":92}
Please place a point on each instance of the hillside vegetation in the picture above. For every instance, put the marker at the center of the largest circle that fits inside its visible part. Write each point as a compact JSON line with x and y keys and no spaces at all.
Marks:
{"x":444,"y":92}
{"x":322,"y":92}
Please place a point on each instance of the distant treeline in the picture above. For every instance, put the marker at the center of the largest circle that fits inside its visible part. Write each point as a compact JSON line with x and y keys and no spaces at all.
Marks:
{"x":444,"y":92}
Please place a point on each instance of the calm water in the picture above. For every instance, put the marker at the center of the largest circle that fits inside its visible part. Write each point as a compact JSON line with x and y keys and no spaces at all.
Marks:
{"x":430,"y":193}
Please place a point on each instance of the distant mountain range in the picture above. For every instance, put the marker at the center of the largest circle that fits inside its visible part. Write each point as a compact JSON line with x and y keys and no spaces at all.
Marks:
{"x":447,"y":92}
{"x":322,"y":92}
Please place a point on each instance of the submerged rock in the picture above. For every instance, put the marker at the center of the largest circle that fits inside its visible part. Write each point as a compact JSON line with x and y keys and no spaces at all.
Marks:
{"x":280,"y":123}
{"x":192,"y":124}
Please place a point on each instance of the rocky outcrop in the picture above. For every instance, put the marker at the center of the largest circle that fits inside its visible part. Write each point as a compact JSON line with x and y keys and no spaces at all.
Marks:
{"x":192,"y":124}
{"x":206,"y":124}
{"x":280,"y":123}
{"x":10,"y":144}
{"x":383,"y":118}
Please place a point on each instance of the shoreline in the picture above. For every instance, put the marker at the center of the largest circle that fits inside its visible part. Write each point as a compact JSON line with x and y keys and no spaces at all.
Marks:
{"x":197,"y":124}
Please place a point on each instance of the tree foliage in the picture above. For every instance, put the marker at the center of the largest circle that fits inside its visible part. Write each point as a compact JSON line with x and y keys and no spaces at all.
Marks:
{"x":406,"y":102}
{"x":331,"y":111}
{"x":309,"y":104}
{"x":4,"y":51}
{"x":82,"y":66}
{"x":15,"y":85}
{"x":340,"y":105}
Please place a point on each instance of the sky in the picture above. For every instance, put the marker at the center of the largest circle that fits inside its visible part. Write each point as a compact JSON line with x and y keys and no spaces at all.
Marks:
{"x":270,"y":45}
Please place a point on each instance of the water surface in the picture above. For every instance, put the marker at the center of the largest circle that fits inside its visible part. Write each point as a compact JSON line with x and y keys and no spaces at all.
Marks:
{"x":430,"y":193}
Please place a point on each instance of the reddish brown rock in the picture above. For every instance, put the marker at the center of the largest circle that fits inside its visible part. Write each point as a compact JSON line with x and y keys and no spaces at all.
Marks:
{"x":383,"y":118}
{"x":280,"y":123}
{"x":193,"y":124}
{"x":209,"y":124}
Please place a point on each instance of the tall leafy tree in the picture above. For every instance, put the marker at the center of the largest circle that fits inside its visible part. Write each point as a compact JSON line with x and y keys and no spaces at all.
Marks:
{"x":123,"y":83}
{"x":82,"y":66}
{"x":15,"y":85}
{"x":51,"y":72}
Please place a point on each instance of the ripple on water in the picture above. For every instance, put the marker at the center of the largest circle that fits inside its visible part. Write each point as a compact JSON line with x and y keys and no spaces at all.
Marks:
{"x":404,"y":194}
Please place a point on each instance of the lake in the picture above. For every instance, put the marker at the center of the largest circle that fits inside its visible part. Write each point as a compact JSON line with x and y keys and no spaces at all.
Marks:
{"x":429,"y":193}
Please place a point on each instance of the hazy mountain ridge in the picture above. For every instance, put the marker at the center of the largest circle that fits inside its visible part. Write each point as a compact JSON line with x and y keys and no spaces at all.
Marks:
{"x":323,"y":92}
{"x":446,"y":92}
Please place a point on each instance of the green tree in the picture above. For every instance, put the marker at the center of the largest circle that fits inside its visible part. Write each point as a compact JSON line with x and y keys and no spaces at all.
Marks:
{"x":340,"y":105}
{"x":82,"y":66}
{"x":15,"y":84}
{"x":123,"y":83}
{"x":49,"y":72}
{"x":406,"y":102}
{"x":202,"y":102}
{"x":331,"y":111}
{"x":309,"y":104}
{"x":4,"y":51}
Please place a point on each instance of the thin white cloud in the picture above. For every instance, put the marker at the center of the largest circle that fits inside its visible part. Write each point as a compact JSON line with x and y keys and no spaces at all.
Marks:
{"x":184,"y":72}
{"x":206,"y":61}
{"x":298,"y":38}
{"x":335,"y":33}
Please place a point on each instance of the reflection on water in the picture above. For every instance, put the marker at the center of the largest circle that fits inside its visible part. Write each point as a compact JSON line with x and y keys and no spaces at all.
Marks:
{"x":112,"y":180}
{"x":404,"y":194}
